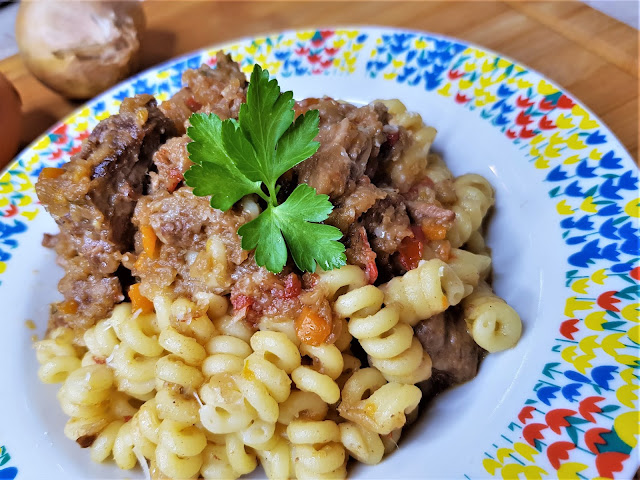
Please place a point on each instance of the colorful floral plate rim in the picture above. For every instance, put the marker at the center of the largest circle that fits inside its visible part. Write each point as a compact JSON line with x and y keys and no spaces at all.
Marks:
{"x":578,"y":418}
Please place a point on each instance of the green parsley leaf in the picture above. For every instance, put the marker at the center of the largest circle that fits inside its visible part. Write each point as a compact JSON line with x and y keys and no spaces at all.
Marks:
{"x":235,"y":158}
{"x":214,"y":172}
{"x":308,"y":242}
{"x":264,"y":119}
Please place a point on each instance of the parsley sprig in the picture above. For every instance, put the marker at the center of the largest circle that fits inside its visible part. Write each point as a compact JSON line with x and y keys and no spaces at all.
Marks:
{"x":237,"y":158}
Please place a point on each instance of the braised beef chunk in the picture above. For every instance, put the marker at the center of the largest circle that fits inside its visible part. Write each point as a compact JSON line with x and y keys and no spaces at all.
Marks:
{"x":349,"y":208}
{"x":454,"y":354}
{"x":387,"y":223}
{"x":350,"y":137}
{"x":93,"y":199}
{"x":220,"y":90}
{"x":183,"y":223}
{"x":88,"y":296}
{"x":424,"y":202}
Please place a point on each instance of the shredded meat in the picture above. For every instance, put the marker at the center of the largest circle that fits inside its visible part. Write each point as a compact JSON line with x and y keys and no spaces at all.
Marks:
{"x":183,"y":223}
{"x":171,"y":161}
{"x":219,"y":90}
{"x":349,"y":208}
{"x":349,"y":137}
{"x":387,"y":223}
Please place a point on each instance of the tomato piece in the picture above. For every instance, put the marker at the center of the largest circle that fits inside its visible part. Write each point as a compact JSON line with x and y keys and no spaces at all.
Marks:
{"x":241,"y":301}
{"x":371,"y":271}
{"x":312,"y":328}
{"x":138,"y":301}
{"x":411,"y":249}
{"x":176,"y":176}
{"x":292,"y":286}
{"x":193,"y":104}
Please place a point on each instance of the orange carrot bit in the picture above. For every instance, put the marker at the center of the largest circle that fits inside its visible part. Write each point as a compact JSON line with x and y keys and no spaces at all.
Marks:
{"x":139,"y":302}
{"x":68,"y":307}
{"x":149,"y":240}
{"x":312,"y":328}
{"x":51,"y":172}
{"x":433,"y":231}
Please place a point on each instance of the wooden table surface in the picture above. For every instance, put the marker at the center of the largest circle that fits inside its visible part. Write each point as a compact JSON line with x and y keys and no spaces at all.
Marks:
{"x":588,"y":53}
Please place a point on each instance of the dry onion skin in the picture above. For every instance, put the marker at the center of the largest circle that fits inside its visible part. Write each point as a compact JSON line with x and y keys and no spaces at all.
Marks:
{"x":10,"y":120}
{"x":79,"y":48}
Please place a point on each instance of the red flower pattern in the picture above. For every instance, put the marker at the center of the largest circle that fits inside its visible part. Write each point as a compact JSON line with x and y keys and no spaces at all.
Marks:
{"x":524,"y":133}
{"x":593,"y":437}
{"x":524,"y":102}
{"x":533,"y":432}
{"x":460,"y":98}
{"x":609,"y":462}
{"x":607,"y":301}
{"x":523,"y":119}
{"x":526,"y":413}
{"x":546,"y":124}
{"x":568,"y":328}
{"x":564,"y":102}
{"x":556,"y":419}
{"x":546,"y":105}
{"x":588,"y":407}
{"x":559,"y":451}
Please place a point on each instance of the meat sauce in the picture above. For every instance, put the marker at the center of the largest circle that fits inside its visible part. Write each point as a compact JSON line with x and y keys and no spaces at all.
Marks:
{"x":124,"y":212}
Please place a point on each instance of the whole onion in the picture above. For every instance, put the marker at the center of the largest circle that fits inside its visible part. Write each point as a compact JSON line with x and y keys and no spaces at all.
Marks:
{"x":79,"y":48}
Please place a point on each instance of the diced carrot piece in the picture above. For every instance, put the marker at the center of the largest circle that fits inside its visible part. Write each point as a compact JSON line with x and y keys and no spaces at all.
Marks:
{"x":51,"y":172}
{"x":149,"y":240}
{"x":138,"y":301}
{"x":433,"y":231}
{"x":312,"y":328}
{"x":68,"y":306}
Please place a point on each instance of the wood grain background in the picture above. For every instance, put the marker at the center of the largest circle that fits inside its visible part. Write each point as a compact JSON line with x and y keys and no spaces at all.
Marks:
{"x":588,"y":53}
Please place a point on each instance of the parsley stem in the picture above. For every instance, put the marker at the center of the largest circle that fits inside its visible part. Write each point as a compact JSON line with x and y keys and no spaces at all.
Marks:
{"x":271,"y":186}
{"x":262,"y":195}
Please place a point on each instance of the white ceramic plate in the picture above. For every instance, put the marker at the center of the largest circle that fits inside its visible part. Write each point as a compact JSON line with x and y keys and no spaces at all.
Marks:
{"x":564,"y":234}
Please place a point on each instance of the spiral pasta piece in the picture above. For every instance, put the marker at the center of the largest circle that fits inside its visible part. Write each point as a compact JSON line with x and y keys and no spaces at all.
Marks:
{"x":179,"y":451}
{"x":226,"y":355}
{"x":364,"y":445}
{"x":316,"y":449}
{"x":57,"y":355}
{"x":424,"y":291}
{"x":389,"y":343}
{"x":341,"y":280}
{"x":475,"y":197}
{"x":216,"y":464}
{"x":385,"y":409}
{"x":413,"y":161}
{"x":493,"y":324}
{"x":470,"y":268}
{"x":85,"y":397}
{"x":276,"y":460}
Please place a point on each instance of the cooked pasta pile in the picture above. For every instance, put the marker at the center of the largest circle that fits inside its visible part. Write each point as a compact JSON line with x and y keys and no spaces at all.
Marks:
{"x":209,"y":398}
{"x":198,"y":393}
